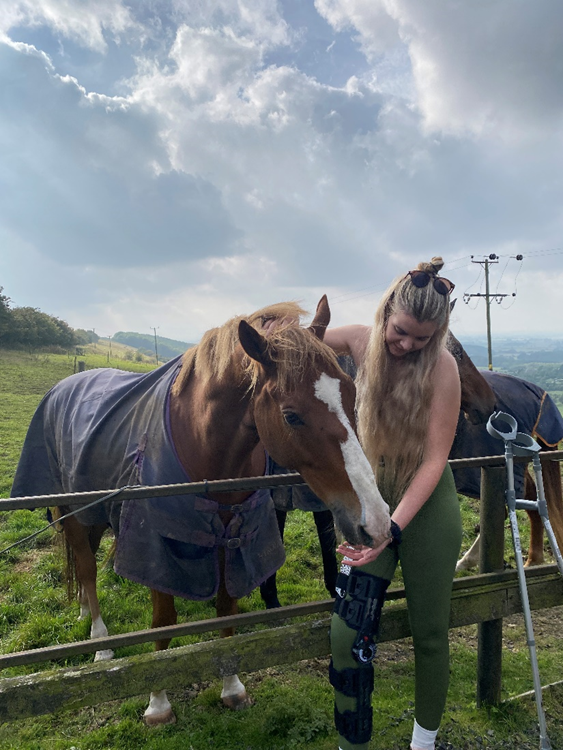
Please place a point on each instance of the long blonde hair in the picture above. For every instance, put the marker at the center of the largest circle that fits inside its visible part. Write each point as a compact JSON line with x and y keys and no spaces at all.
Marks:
{"x":394,"y":402}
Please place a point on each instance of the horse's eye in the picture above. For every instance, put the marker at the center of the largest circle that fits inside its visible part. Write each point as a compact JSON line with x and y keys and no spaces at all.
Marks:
{"x":293,"y":419}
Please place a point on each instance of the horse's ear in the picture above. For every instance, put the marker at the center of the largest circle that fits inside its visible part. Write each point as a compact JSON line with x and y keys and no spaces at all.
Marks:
{"x":452,"y":305}
{"x":253,"y":343}
{"x":321,"y":319}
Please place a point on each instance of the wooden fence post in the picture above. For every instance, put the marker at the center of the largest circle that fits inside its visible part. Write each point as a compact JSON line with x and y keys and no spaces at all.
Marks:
{"x":489,"y":652}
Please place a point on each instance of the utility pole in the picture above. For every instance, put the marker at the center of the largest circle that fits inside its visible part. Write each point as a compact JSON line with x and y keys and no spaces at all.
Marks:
{"x":489,"y":297}
{"x":155,"y":345}
{"x":109,"y":350}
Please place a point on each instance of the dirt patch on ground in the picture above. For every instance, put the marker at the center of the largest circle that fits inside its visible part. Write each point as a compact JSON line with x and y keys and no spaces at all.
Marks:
{"x":28,"y":562}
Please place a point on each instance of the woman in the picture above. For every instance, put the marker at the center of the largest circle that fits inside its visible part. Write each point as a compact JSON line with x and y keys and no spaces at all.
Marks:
{"x":408,"y":405}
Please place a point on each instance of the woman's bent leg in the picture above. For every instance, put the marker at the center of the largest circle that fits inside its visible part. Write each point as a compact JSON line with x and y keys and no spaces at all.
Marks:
{"x":360,"y":595}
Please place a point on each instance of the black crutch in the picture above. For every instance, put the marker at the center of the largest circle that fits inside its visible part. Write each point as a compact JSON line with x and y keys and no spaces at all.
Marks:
{"x":519,"y":444}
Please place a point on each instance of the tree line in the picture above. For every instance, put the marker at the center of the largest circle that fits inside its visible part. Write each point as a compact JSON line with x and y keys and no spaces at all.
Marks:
{"x":28,"y":327}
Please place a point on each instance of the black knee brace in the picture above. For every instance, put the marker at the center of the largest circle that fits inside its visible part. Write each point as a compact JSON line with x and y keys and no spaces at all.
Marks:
{"x":356,"y":682}
{"x":359,"y":602}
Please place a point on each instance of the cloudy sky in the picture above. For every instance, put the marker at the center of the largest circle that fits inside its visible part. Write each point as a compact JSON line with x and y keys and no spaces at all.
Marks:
{"x":170,"y":163}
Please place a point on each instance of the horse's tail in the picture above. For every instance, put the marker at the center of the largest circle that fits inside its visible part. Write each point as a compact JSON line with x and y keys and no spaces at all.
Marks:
{"x":551,"y":473}
{"x":109,"y":559}
{"x":69,"y":570}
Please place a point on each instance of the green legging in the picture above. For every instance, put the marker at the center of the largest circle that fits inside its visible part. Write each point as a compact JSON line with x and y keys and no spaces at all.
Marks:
{"x":428,"y":554}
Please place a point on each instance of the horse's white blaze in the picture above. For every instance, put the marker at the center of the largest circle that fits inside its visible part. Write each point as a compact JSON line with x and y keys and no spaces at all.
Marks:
{"x":375,"y":511}
{"x":158,"y":704}
{"x":232,"y":686}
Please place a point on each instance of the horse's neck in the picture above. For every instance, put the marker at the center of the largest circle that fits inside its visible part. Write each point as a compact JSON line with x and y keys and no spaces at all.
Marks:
{"x":213,"y":430}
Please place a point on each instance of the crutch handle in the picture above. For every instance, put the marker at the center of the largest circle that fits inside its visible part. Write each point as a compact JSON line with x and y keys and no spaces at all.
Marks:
{"x":522,"y":444}
{"x":504,"y":419}
{"x":525,"y":445}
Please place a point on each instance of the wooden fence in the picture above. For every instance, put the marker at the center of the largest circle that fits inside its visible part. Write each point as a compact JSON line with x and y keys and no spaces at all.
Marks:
{"x":483,"y":599}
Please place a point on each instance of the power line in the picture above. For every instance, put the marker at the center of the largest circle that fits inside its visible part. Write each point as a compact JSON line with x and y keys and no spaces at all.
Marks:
{"x":488,"y":296}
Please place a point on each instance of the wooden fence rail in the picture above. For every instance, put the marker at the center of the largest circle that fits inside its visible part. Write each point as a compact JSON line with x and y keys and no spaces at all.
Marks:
{"x":484,"y":599}
{"x":475,"y":599}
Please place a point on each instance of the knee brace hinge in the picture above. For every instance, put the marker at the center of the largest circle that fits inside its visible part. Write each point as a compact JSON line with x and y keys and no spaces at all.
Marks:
{"x":360,"y":607}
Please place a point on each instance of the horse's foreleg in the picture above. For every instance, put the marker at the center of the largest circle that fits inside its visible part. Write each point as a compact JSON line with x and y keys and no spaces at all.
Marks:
{"x":234,"y":693}
{"x":159,"y":710}
{"x":84,"y":542}
{"x":327,"y":539}
{"x":471,"y":558}
{"x":535,"y":550}
{"x":551,"y":473}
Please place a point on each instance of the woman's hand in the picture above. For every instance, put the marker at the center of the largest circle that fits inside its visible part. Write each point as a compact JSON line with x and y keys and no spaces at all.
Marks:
{"x":270,"y":324}
{"x":358,"y":554}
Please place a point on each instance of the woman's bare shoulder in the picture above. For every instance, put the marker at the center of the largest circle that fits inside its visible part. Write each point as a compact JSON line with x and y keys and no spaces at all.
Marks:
{"x":446,"y":361}
{"x":446,"y":373}
{"x":350,"y":339}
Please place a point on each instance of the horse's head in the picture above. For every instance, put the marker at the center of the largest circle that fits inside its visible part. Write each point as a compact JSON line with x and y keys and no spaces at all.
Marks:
{"x":477,"y":396}
{"x":304,"y":413}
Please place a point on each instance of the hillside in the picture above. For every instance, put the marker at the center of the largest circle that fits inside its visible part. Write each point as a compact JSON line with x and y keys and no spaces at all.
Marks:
{"x":538,"y":360}
{"x":145,"y":343}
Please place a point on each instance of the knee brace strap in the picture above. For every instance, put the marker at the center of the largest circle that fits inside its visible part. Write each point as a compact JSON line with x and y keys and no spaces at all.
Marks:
{"x":354,"y":682}
{"x":362,"y":612}
{"x":355,"y":726}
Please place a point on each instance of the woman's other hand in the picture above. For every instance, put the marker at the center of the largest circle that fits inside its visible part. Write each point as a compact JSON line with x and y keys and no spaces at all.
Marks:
{"x":358,"y":554}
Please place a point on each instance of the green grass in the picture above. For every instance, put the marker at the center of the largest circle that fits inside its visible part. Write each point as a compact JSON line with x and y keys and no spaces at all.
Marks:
{"x":293,"y":704}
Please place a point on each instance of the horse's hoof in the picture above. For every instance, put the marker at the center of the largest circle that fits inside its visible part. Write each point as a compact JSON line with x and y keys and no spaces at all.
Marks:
{"x":154,"y":720}
{"x":104,"y":655}
{"x":272,"y":603}
{"x":237,"y":702}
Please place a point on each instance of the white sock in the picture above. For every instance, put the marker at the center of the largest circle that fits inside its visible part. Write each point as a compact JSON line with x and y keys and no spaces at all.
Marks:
{"x":423,"y":739}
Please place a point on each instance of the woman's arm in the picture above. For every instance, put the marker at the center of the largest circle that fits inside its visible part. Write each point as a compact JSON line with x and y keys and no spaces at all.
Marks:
{"x":352,"y":339}
{"x":444,"y":414}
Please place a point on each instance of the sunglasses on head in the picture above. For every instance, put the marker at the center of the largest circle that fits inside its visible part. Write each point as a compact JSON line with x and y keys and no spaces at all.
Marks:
{"x":422,"y":278}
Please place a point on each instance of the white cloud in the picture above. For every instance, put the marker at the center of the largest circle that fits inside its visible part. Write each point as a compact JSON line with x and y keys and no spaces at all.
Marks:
{"x":87,"y":167}
{"x":489,"y":69}
{"x":86,"y":22}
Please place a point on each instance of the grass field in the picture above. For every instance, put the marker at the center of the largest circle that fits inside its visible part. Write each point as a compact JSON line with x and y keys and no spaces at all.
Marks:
{"x":292,"y":705}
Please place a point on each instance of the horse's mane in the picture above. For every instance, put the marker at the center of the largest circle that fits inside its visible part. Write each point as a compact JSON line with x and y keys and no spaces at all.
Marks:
{"x":289,"y":345}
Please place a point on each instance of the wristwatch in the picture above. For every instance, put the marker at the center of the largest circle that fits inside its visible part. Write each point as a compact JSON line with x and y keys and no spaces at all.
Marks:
{"x":396,"y":534}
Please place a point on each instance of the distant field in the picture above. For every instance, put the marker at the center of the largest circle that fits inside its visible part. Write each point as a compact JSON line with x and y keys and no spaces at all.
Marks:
{"x":24,"y":380}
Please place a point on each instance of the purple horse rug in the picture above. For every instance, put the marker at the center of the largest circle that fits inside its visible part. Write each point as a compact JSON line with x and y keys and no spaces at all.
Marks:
{"x":534,"y":410}
{"x":107,"y":428}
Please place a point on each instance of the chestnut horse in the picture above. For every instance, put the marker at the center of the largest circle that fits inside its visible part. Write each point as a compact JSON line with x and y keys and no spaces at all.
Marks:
{"x":215,"y":413}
